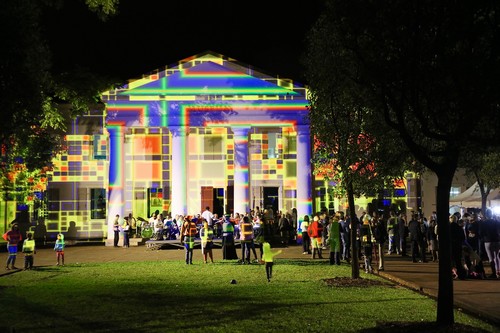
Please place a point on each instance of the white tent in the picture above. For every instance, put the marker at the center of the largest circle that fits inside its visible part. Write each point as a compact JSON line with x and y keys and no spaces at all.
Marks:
{"x":472,"y":198}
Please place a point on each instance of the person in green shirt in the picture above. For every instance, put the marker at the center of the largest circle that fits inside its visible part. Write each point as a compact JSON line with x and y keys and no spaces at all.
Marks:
{"x":267,"y":257}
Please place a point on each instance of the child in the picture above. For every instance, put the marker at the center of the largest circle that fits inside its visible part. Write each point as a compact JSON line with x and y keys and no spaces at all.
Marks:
{"x":59,"y":248}
{"x":268,"y":256}
{"x":13,"y":237}
{"x":29,"y":250}
{"x":207,"y":235}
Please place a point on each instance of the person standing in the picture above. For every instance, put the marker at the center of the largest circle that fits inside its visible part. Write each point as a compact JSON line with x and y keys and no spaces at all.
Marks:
{"x":188,"y":232}
{"x":316,"y":233}
{"x":13,"y":238}
{"x":59,"y":248}
{"x":489,"y":234}
{"x":208,"y":216}
{"x":284,"y":228}
{"x":380,"y":235}
{"x":207,"y":236}
{"x":228,"y":249}
{"x":133,"y":225}
{"x":403,"y":233}
{"x":29,"y":251}
{"x":306,"y":240}
{"x":268,"y":257}
{"x":345,"y":236}
{"x":392,"y":225}
{"x":246,"y":238}
{"x":116,"y":230}
{"x":334,"y":240}
{"x":366,"y":239}
{"x":126,"y":232}
{"x":416,"y":238}
{"x":432,"y":238}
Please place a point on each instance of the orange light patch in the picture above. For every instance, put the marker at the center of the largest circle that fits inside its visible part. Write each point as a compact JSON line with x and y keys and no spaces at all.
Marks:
{"x":147,"y":170}
{"x":147,"y":145}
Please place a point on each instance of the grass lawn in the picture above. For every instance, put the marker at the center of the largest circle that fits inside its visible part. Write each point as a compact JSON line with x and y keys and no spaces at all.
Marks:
{"x":173,"y":297}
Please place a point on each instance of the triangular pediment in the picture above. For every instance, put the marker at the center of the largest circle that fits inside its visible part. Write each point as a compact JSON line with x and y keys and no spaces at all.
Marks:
{"x":205,"y":74}
{"x":208,"y":78}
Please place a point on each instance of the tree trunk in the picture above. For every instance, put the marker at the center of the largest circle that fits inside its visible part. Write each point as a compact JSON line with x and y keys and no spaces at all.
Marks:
{"x":445,"y":315}
{"x":354,"y":228}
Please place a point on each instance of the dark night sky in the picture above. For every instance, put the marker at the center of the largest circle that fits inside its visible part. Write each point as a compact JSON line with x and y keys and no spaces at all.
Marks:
{"x":147,"y":35}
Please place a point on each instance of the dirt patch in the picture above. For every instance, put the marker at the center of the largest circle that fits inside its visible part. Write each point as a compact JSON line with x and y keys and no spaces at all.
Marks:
{"x":350,"y":282}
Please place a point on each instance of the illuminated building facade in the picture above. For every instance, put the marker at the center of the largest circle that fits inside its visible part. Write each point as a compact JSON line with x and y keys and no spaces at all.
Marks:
{"x":207,"y":131}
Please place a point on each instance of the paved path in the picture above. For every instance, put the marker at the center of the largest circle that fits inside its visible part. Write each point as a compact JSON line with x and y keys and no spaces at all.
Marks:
{"x":479,"y":297}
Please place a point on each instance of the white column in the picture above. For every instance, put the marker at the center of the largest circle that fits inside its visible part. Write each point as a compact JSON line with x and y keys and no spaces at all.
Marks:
{"x":179,"y":170}
{"x":241,"y":170}
{"x":116,"y":187}
{"x":304,"y":174}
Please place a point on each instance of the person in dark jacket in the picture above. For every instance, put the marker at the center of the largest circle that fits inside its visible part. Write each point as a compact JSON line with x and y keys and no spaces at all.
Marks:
{"x":489,"y":231}
{"x":457,"y":237}
{"x":416,"y":238}
{"x":380,"y":234}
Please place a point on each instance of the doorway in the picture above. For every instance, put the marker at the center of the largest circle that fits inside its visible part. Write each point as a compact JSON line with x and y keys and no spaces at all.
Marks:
{"x":213,"y":198}
{"x":271,"y":198}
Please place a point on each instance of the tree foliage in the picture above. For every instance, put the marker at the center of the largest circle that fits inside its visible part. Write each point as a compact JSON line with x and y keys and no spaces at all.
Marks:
{"x":430,"y":69}
{"x":31,"y":93}
{"x":353,"y":146}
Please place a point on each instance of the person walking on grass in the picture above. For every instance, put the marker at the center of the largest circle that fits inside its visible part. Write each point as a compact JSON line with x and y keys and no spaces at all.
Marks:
{"x":268,"y":258}
{"x":13,"y":238}
{"x":59,"y":248}
{"x":207,"y":236}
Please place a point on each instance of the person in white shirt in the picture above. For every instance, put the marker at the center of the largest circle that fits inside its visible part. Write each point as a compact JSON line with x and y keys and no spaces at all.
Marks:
{"x":208,"y":216}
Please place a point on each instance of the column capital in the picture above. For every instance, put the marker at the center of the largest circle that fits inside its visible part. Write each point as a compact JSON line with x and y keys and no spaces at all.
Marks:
{"x":303,"y":129}
{"x":179,"y":130}
{"x":241,"y":130}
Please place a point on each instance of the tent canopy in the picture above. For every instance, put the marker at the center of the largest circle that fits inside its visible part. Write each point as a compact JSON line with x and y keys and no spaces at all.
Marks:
{"x":472,"y":197}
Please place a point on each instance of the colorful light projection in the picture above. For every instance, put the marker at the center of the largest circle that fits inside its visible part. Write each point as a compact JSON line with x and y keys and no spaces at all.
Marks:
{"x":211,"y":91}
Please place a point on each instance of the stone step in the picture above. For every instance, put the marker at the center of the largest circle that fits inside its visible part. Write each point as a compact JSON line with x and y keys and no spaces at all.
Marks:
{"x":132,"y":241}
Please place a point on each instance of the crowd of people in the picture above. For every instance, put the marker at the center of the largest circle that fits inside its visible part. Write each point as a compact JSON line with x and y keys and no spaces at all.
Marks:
{"x":475,"y":238}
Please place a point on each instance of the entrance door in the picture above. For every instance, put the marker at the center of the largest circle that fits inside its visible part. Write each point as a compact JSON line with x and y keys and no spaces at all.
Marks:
{"x":207,"y":197}
{"x":271,"y":198}
{"x":213,"y":198}
{"x":230,"y":200}
{"x":218,"y":203}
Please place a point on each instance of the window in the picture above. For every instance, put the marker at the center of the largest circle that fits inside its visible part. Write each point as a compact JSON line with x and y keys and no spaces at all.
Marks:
{"x":272,"y":145}
{"x":97,"y":203}
{"x":212,"y":144}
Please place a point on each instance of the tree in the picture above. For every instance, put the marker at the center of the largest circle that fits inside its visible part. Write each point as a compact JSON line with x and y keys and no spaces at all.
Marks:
{"x":31,"y":94}
{"x":430,"y":70}
{"x":352,"y":147}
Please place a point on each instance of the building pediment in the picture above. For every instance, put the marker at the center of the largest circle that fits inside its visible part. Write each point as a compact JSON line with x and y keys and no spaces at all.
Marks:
{"x":207,"y":78}
{"x":208,"y":89}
